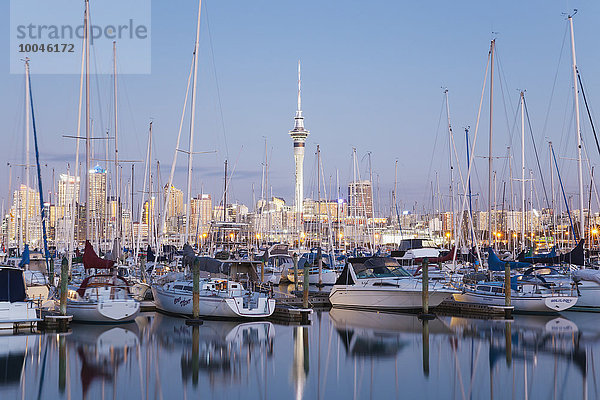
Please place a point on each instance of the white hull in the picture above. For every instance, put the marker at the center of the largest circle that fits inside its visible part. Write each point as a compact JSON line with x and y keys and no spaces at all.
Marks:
{"x":273,"y":278}
{"x":384,"y":299}
{"x":212,"y":306}
{"x":535,"y":304}
{"x":17,"y":313}
{"x":111,"y":311}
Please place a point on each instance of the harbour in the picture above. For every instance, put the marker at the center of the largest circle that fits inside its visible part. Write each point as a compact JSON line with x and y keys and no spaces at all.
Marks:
{"x":236,"y":204}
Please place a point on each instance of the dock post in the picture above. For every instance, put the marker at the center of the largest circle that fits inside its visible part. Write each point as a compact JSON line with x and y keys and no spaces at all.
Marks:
{"x":507,"y":289}
{"x":64,"y":277}
{"x":296,"y":272}
{"x":195,"y":320}
{"x":320,"y":264}
{"x":425,"y":285}
{"x":425,"y":315}
{"x":262,"y":271}
{"x":305,"y":285}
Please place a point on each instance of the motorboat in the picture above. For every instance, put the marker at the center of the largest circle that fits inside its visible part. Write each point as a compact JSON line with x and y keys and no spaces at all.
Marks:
{"x":380,"y":283}
{"x":526,"y":295}
{"x":220,"y":298}
{"x":101,"y":298}
{"x":15,"y":309}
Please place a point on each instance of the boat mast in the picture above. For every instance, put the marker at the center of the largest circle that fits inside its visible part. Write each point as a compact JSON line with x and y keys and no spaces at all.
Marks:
{"x":319,"y":238}
{"x":192,"y":121}
{"x":27,"y":151}
{"x":490,"y":159}
{"x":117,"y":180}
{"x":450,"y":141}
{"x":578,"y":131}
{"x":522,"y":171}
{"x":87,"y":121}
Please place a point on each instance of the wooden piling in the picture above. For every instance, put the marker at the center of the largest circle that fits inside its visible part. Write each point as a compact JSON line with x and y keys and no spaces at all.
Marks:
{"x":64,"y":277}
{"x":305,"y":285}
{"x":195,"y":320}
{"x":425,"y":285}
{"x":262,"y":272}
{"x":295,"y":271}
{"x":507,"y":289}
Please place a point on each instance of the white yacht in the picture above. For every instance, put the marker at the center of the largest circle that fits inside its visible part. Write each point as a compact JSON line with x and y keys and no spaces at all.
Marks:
{"x":102,"y":299}
{"x":220,"y":298}
{"x":380,"y":283}
{"x":526,"y":296}
{"x":15,"y":309}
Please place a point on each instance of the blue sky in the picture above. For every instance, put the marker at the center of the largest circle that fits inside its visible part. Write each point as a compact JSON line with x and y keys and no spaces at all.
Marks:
{"x":373,"y":74}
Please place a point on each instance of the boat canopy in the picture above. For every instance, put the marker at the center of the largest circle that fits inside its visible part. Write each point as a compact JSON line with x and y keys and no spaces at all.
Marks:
{"x":225,"y":267}
{"x":12,"y":285}
{"x":372,"y":267}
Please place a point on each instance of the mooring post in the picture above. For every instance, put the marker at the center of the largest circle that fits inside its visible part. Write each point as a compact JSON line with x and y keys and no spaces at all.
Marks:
{"x":262,"y":271}
{"x":64,"y":278}
{"x":296,"y":272}
{"x":425,"y":285}
{"x":195,"y":295}
{"x":305,"y":286}
{"x":507,"y":289}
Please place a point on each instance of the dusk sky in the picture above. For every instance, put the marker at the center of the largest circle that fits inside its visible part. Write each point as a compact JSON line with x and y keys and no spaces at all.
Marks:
{"x":373,"y":75}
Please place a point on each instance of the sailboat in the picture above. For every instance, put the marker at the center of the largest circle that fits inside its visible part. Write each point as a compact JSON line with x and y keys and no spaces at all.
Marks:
{"x":104,"y":297}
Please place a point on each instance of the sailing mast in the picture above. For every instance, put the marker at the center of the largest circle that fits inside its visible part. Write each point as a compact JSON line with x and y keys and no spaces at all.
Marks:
{"x":490,"y":159}
{"x":578,"y":131}
{"x":87,"y":121}
{"x":522,"y":171}
{"x":117,"y":180}
{"x":27,"y":151}
{"x":192,"y":121}
{"x":450,"y":141}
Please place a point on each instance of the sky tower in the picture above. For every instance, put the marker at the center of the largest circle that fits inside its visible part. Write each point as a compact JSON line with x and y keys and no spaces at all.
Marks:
{"x":299,"y":135}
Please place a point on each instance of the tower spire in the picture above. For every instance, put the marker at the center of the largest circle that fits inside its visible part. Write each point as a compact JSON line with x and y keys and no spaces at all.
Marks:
{"x":299,"y":112}
{"x":298,"y":135}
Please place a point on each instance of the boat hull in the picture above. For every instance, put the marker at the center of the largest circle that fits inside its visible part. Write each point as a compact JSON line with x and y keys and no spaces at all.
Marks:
{"x":17,"y":314}
{"x":384,"y":299}
{"x":211,"y":306}
{"x":117,"y":311}
{"x":538,"y":304}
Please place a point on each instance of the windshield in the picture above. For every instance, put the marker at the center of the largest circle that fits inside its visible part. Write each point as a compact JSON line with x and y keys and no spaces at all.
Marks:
{"x":383,"y":272}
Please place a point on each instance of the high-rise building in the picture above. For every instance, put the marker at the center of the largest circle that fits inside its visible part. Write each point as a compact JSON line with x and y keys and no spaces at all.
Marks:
{"x":97,"y":195}
{"x":360,"y":199}
{"x":299,"y":135}
{"x":201,"y":214}
{"x":25,"y":225}
{"x":174,"y":211}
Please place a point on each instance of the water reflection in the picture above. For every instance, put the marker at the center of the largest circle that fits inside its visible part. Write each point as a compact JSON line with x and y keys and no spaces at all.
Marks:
{"x":342,"y":354}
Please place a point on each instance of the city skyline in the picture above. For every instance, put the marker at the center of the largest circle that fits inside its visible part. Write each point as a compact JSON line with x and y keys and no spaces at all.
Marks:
{"x":347,"y":109}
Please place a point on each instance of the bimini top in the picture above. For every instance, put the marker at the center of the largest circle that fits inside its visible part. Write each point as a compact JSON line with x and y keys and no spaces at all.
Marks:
{"x":372,"y":267}
{"x":12,"y":285}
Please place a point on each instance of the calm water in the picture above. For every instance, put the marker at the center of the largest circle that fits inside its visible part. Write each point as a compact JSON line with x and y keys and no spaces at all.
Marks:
{"x":342,"y":355}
